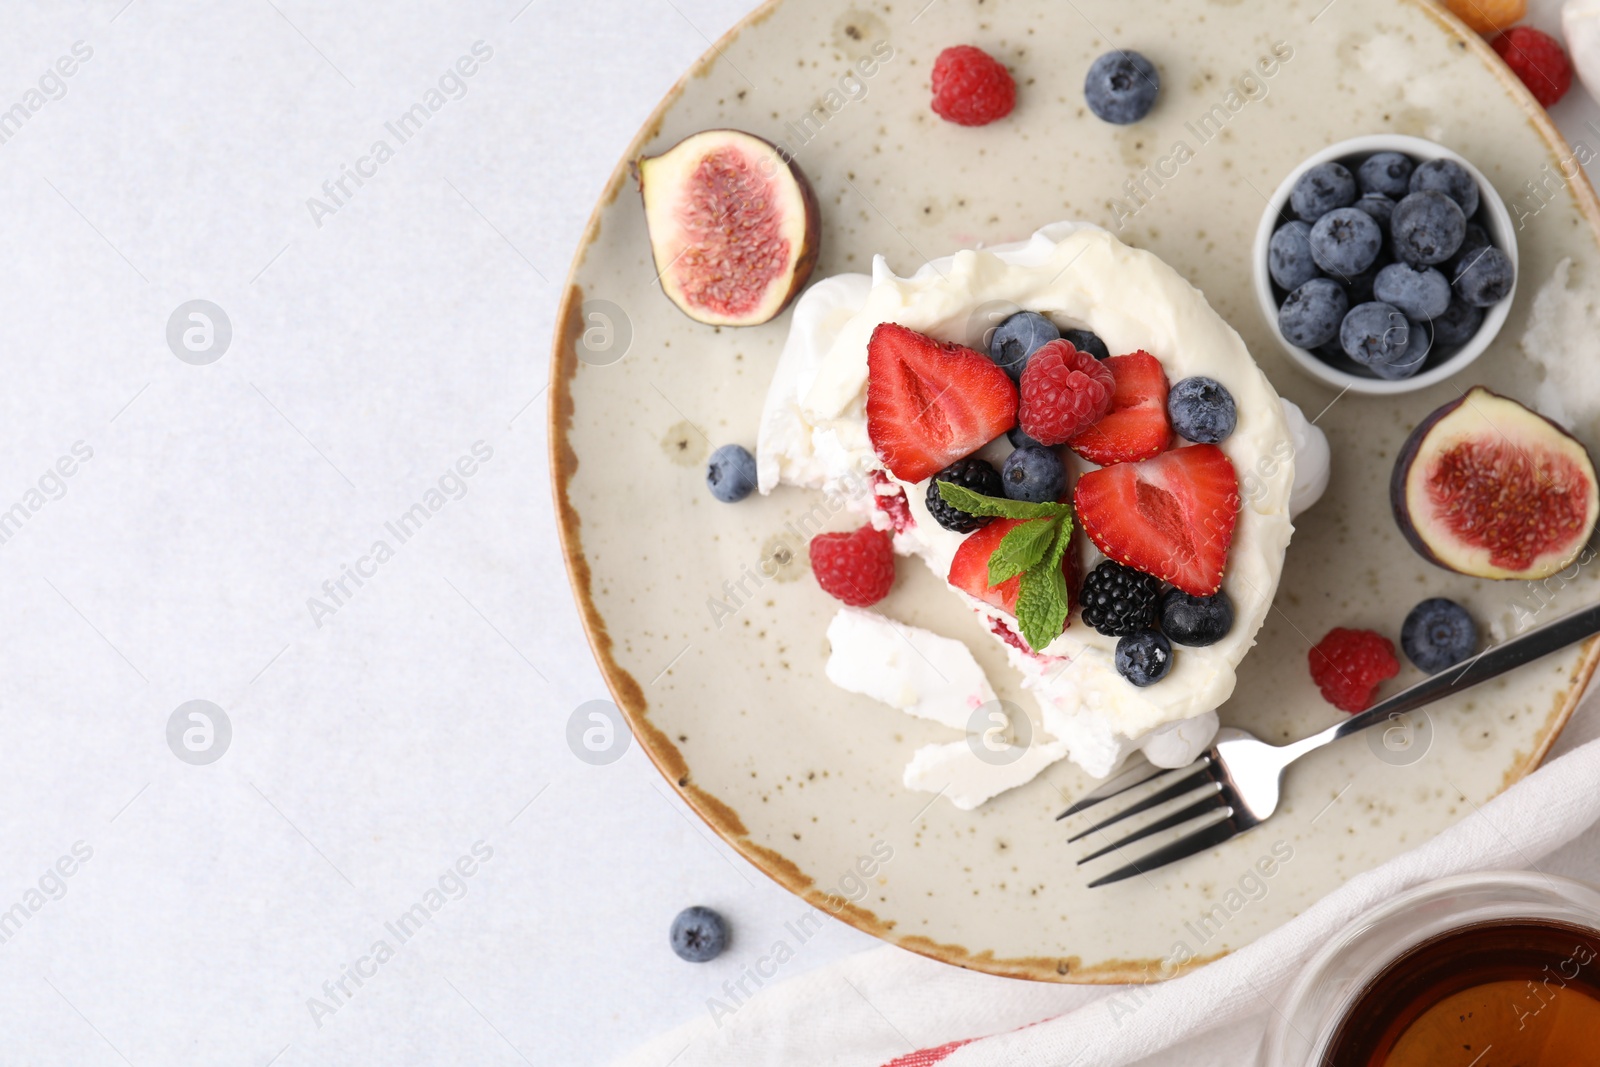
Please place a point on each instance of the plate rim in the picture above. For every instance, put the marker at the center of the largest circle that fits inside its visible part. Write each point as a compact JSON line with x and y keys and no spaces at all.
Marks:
{"x":629,"y":695}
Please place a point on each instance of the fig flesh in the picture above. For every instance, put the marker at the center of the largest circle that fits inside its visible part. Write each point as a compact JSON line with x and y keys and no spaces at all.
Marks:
{"x":1486,"y":487}
{"x":733,"y":226}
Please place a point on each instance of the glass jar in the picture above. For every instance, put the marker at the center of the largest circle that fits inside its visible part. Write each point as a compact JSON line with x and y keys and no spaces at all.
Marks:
{"x":1301,"y":1034}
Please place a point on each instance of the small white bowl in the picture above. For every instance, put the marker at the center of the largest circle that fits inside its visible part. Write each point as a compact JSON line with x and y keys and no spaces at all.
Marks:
{"x":1492,"y":216}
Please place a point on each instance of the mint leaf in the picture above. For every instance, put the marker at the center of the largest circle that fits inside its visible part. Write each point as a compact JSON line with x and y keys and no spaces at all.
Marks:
{"x":1042,"y":605}
{"x":959,"y":496}
{"x":1022,"y":548}
{"x":1058,"y":551}
{"x":1042,"y":595}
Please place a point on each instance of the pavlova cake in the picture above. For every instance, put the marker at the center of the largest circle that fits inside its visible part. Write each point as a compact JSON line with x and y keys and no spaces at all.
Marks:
{"x":1066,"y":433}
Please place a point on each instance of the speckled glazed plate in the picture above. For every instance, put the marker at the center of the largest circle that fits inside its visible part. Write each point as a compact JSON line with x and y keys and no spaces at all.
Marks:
{"x":731,"y":703}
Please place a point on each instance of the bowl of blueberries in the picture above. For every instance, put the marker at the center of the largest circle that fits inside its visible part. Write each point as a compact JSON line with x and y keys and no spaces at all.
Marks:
{"x":1385,"y":264}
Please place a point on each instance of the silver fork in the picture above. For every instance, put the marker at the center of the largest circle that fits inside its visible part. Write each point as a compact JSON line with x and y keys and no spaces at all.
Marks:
{"x":1239,"y":777}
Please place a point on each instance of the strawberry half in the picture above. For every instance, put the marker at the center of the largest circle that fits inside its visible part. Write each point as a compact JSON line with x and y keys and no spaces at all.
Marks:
{"x":969,"y":567}
{"x":930,"y":403}
{"x":1171,"y":516}
{"x":1136,"y":427}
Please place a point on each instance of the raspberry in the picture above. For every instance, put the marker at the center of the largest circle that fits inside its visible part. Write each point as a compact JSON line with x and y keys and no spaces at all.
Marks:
{"x":1347,"y":666}
{"x":1063,"y":391}
{"x":1488,"y":16}
{"x":1538,"y":60}
{"x":971,"y":88}
{"x":857,"y":568}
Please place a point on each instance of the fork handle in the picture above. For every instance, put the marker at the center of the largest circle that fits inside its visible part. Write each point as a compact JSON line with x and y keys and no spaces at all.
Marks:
{"x":1491,"y":663}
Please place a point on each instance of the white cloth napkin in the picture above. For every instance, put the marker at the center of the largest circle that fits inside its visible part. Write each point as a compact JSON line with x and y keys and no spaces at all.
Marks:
{"x":890,"y":1008}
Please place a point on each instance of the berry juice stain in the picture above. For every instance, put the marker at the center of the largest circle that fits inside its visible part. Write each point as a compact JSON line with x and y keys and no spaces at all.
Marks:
{"x":1519,"y":993}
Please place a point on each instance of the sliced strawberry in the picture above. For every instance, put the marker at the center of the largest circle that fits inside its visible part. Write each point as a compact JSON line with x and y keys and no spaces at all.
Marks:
{"x":1136,"y":426}
{"x":969,"y":568}
{"x":930,"y":403}
{"x":1171,"y":516}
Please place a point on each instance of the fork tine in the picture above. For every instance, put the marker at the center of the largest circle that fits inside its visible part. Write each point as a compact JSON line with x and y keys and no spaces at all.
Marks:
{"x":1199,"y":841}
{"x":1187,"y":784}
{"x":1128,"y":779}
{"x":1205,"y":805}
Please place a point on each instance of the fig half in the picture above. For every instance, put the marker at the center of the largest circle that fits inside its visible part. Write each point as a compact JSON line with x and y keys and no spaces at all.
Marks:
{"x":733,"y":226}
{"x":1486,"y":487}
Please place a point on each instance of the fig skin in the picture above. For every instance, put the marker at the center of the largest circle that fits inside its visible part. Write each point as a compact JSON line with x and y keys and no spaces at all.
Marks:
{"x":1413,"y":448}
{"x":805,"y":259}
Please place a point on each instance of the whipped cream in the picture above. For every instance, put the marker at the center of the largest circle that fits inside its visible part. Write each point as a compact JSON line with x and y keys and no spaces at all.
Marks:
{"x":813,"y":434}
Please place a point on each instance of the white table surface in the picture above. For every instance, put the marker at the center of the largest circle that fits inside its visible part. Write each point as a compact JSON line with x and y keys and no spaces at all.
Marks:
{"x":372,"y":346}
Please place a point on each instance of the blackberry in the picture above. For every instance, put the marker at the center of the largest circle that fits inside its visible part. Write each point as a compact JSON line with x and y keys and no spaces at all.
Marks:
{"x":970,"y":473}
{"x":1118,"y":600}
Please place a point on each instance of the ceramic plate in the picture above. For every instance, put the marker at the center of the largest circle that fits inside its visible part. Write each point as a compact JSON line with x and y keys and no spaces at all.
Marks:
{"x":719,"y":667}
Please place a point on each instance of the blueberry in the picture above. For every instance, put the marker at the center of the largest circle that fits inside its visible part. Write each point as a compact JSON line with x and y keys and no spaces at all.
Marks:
{"x":1380,"y":207}
{"x":1474,"y":239}
{"x":1486,"y":278}
{"x":1358,"y":287}
{"x":1458,"y":324}
{"x":1311,"y":314}
{"x":1196,"y":620}
{"x":1419,"y":343}
{"x":1374,"y":332}
{"x":1289,"y":256}
{"x":1321,"y":189}
{"x":699,"y":934}
{"x":1085,"y":341}
{"x":1330,"y":352}
{"x":1015,"y":341}
{"x":1034,"y":474}
{"x":1427,"y":228}
{"x":1410,"y":359}
{"x":1385,"y":173}
{"x":731,"y":473}
{"x":1202,"y":410}
{"x":1420,"y":292}
{"x":1345,"y":241}
{"x":1144,"y":658}
{"x":1121,"y":87}
{"x":1450,"y":178}
{"x":1019,"y":439}
{"x":1438,"y":634}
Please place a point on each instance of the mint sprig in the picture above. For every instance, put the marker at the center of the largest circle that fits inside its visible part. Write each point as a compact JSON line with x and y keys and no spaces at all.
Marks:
{"x":1034,"y":549}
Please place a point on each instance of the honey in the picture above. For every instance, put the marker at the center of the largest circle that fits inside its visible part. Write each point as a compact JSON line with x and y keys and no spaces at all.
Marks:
{"x":1511,"y":993}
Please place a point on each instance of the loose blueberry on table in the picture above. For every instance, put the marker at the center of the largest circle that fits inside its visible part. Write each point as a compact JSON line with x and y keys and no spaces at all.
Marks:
{"x":1121,"y":87}
{"x":731,"y":473}
{"x":699,"y":934}
{"x":1438,"y":634}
